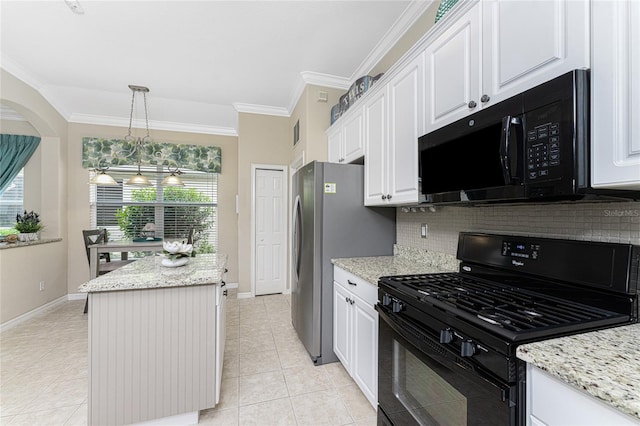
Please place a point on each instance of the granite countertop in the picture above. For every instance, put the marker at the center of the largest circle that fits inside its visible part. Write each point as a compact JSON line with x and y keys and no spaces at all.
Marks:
{"x":604,"y":364}
{"x":148,"y":273}
{"x":5,"y":245}
{"x":406,"y":260}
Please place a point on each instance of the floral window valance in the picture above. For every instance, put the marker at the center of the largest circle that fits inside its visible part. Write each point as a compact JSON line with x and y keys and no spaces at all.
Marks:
{"x":118,"y":152}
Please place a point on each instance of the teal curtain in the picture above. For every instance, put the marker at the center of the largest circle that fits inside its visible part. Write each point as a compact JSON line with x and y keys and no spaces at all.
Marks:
{"x":15,"y":151}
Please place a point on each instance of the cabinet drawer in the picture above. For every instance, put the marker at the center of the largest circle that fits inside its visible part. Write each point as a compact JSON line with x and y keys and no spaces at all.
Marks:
{"x":359,"y":287}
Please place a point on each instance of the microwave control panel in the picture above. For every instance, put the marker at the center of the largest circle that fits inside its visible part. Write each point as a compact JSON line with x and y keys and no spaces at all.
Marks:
{"x":543,"y":152}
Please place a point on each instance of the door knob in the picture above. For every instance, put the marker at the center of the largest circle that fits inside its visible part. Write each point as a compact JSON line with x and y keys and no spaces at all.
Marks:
{"x":485,"y":98}
{"x":472,"y":104}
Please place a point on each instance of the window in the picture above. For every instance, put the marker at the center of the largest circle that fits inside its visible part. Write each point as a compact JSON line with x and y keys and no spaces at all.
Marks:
{"x":124,"y":210}
{"x":11,"y":202}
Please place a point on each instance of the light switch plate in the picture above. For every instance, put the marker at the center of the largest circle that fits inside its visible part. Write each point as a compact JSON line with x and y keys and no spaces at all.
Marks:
{"x":423,"y":230}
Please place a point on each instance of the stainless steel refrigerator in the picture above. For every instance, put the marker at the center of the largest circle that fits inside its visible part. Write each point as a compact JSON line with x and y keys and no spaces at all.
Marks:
{"x":330,"y":221}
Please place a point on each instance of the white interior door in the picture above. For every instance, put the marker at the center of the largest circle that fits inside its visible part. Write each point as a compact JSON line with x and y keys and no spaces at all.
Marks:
{"x":270,"y":237}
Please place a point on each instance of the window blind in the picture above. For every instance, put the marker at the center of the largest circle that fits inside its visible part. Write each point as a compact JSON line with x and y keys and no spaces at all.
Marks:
{"x":124,"y":210}
{"x":11,"y":201}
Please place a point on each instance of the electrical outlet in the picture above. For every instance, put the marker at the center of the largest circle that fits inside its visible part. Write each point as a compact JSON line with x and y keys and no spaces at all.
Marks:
{"x":423,"y":230}
{"x":41,"y":285}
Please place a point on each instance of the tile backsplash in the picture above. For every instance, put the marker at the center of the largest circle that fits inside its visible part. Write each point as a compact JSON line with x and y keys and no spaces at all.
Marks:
{"x":607,"y":222}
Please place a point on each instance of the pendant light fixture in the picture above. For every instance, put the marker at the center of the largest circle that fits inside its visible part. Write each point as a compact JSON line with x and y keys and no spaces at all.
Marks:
{"x":101,"y":177}
{"x":138,"y":179}
{"x":173,"y":179}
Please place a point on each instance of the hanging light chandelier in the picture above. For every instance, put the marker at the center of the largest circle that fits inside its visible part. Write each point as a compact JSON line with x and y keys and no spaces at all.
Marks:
{"x":102,"y":178}
{"x":138,"y":179}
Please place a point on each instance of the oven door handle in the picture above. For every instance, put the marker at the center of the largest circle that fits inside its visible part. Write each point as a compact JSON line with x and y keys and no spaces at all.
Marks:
{"x":431,"y":347}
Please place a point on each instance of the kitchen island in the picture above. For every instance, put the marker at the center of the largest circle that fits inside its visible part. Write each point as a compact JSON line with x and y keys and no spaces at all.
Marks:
{"x":153,"y":337}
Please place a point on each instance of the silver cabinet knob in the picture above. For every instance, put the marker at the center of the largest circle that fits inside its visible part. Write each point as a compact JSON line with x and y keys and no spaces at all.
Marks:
{"x":472,"y":104}
{"x":485,"y":98}
{"x":389,"y":197}
{"x":384,"y":197}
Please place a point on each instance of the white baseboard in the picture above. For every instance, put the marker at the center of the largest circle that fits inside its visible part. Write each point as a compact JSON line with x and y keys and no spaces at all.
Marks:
{"x":32,"y":313}
{"x":245,"y":295}
{"x":77,"y":296}
{"x":232,"y":285}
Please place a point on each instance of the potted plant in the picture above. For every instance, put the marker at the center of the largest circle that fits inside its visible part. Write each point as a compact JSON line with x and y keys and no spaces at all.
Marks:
{"x":28,"y":225}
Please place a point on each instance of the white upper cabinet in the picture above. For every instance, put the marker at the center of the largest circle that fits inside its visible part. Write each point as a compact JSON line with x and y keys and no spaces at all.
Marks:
{"x":334,"y":140}
{"x":345,"y":139}
{"x":499,"y":48}
{"x":453,"y":71}
{"x":615,"y":95}
{"x":525,"y":43}
{"x":406,"y":125}
{"x":393,"y":123}
{"x":375,"y":148}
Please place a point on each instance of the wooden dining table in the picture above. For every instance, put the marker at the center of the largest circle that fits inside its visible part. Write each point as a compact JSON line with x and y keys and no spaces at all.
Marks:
{"x":123,"y":246}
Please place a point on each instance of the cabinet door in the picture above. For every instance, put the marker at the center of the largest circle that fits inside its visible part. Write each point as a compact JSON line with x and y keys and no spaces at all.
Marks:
{"x":221,"y":335}
{"x":528,"y":42}
{"x":352,"y":137}
{"x":375,"y":145}
{"x":342,"y":325}
{"x":334,"y":137}
{"x":406,"y":109}
{"x":615,"y":94}
{"x":452,"y":72}
{"x":365,"y":349}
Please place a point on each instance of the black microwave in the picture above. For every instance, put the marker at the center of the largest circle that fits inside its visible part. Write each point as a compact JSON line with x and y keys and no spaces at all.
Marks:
{"x":532,"y":146}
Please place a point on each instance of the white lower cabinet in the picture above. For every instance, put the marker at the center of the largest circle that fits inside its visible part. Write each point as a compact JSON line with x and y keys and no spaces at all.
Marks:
{"x":551,"y":402}
{"x":355,"y":330}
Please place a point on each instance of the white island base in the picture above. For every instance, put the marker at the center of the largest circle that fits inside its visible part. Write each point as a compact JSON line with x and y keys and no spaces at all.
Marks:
{"x":152,"y":348}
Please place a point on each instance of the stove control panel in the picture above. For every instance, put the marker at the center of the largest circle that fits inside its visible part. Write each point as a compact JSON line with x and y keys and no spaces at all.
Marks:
{"x":520,"y":250}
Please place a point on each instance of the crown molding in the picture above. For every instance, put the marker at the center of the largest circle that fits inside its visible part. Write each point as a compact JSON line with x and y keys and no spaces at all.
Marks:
{"x":8,"y":113}
{"x":261,"y":109}
{"x":325,"y":80}
{"x":414,"y":10}
{"x":103,"y":120}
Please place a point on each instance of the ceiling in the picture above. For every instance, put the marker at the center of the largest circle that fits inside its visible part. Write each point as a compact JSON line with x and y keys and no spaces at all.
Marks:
{"x":203,"y":61}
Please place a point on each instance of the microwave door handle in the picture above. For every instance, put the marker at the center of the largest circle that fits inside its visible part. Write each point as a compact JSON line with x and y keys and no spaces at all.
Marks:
{"x":505,"y":159}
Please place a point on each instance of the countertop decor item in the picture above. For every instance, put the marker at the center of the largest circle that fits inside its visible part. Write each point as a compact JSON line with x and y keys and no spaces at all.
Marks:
{"x":176,"y":253}
{"x":28,"y":225}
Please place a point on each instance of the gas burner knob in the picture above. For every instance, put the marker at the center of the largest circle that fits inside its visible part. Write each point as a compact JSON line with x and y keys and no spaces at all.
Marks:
{"x":446,"y":336}
{"x":467,"y":348}
{"x":397,"y":306}
{"x":386,"y":300}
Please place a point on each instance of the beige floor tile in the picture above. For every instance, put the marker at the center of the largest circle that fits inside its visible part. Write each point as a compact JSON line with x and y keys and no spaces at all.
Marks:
{"x":230,"y":367}
{"x":228,"y":394}
{"x":5,"y":420}
{"x":320,"y":408}
{"x":258,"y":342}
{"x":256,"y":327}
{"x":278,"y":412}
{"x":79,"y":417}
{"x":62,"y":393}
{"x":261,"y":387}
{"x":259,"y":362}
{"x":57,"y":417}
{"x":371,"y":421}
{"x":307,"y":379}
{"x":228,"y":417}
{"x":294,"y":356}
{"x":337,"y":374}
{"x":358,"y":405}
{"x":231,"y":347}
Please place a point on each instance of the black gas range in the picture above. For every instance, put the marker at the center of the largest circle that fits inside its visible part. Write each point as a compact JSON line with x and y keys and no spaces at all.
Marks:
{"x":447,"y":342}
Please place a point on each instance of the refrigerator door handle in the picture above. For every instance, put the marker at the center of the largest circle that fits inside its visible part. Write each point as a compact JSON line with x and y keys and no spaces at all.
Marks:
{"x":297,"y":237}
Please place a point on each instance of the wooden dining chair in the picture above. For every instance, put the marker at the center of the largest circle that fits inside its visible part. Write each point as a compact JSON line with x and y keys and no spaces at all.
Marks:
{"x":98,"y":236}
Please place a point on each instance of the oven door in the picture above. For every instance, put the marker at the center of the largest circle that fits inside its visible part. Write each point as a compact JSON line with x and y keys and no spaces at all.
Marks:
{"x":420,"y":382}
